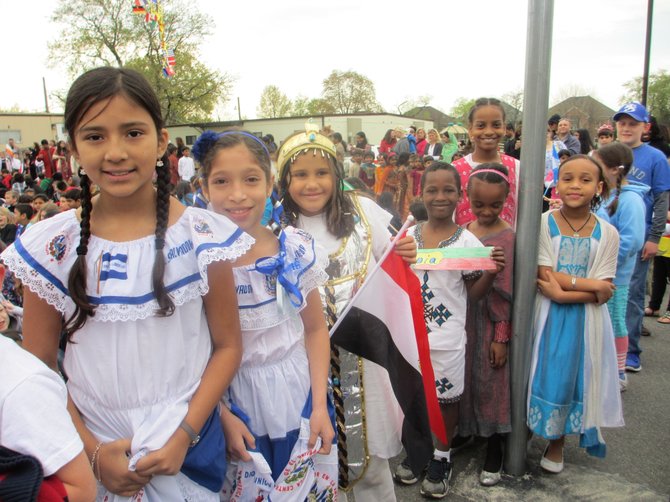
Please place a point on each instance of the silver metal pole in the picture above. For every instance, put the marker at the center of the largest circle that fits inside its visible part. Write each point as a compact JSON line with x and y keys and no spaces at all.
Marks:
{"x":531,"y":179}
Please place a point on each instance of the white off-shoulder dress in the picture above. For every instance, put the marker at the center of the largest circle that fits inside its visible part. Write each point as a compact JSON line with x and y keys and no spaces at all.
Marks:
{"x":131,"y":373}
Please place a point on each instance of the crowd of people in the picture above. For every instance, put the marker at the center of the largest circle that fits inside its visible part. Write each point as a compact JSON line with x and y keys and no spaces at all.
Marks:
{"x":186,"y":295}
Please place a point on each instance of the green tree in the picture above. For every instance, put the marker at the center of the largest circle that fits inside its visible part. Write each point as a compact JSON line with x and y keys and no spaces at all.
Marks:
{"x":350,"y":92}
{"x":658,"y":94}
{"x":106,"y":32}
{"x":274,"y":103}
{"x":461,"y":108}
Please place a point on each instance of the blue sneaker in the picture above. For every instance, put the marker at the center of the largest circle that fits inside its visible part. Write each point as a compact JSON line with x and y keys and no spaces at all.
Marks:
{"x":633,"y":363}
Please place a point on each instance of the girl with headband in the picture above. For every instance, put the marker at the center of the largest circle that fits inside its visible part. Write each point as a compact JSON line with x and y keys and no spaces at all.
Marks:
{"x":276,"y":411}
{"x":485,"y":405}
{"x":352,"y":232}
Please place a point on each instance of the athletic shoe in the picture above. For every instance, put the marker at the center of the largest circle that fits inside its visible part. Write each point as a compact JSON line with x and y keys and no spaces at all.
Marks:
{"x":623,"y":381}
{"x":633,"y":363}
{"x":436,"y":483}
{"x":404,"y":475}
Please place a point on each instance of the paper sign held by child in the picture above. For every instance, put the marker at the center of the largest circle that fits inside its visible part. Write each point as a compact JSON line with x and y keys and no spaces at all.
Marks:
{"x":478,"y":258}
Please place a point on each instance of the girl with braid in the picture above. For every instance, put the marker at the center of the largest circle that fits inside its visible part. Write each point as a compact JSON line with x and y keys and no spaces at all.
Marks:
{"x":352,"y":233}
{"x":144,"y":291}
{"x":625,"y":210}
{"x":278,"y":402}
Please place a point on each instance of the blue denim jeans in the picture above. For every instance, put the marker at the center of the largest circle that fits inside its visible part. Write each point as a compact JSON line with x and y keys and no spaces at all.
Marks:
{"x":635,"y":308}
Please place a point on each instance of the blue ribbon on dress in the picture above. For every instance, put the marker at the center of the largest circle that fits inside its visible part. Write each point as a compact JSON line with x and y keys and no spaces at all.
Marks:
{"x":277,"y":264}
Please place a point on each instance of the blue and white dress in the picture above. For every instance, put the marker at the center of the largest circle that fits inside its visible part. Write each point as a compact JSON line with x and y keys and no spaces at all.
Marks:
{"x":271,"y":390}
{"x":132,"y":374}
{"x":573,"y":383}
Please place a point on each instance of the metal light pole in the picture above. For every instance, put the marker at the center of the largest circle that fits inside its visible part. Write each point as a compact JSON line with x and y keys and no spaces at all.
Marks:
{"x":531,"y":179}
{"x":647,"y":50}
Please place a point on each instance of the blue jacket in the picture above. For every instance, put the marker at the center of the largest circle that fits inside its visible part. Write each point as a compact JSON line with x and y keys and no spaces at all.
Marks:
{"x":629,"y":220}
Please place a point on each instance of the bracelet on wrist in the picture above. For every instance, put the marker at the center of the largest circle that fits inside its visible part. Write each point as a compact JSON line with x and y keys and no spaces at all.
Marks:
{"x":95,"y":461}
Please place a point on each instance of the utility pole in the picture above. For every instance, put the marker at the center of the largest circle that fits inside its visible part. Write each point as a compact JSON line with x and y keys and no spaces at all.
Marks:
{"x":531,"y":179}
{"x":647,"y":50}
{"x":239,"y":112}
{"x":46,"y":99}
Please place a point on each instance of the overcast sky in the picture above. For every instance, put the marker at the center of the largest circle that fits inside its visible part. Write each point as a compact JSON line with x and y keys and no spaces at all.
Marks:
{"x":444,"y":49}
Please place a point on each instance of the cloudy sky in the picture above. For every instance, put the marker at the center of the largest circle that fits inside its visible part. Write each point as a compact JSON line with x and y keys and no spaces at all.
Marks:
{"x":439,"y":48}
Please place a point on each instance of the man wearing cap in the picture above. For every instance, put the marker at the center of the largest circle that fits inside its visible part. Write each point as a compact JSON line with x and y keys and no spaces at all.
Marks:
{"x":651,"y":168}
{"x":563,"y":134}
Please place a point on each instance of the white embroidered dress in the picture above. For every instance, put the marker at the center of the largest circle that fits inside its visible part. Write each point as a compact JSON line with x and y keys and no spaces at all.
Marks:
{"x":131,"y":374}
{"x":273,"y":384}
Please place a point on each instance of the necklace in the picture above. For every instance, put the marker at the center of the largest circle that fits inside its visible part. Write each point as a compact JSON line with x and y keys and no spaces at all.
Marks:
{"x":575,"y":230}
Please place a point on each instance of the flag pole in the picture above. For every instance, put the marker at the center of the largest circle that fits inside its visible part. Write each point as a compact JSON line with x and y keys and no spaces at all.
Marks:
{"x":389,"y":248}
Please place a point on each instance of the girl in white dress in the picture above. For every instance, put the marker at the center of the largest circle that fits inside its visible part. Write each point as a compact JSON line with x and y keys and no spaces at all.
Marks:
{"x":283,"y":378}
{"x":142,"y":287}
{"x":352,"y":234}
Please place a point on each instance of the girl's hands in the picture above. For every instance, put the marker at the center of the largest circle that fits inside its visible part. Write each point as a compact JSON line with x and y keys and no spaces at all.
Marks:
{"x":498,"y":354}
{"x":167,"y":460}
{"x":498,"y":256}
{"x":604,"y":291}
{"x":406,"y":249}
{"x":320,"y":426}
{"x":550,"y":287}
{"x":112,"y":467}
{"x":238,"y":437}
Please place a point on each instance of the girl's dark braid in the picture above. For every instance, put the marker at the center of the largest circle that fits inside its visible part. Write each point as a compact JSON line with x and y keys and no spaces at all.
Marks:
{"x":77,"y":279}
{"x":165,"y":303}
{"x":611,"y":209}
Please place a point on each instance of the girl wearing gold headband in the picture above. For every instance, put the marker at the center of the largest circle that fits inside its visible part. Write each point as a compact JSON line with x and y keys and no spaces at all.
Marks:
{"x":353,"y":231}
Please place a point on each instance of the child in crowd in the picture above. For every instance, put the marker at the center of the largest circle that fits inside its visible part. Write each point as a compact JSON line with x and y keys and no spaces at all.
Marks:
{"x":355,"y":163}
{"x":70,"y":199}
{"x":186,"y":166}
{"x":625,"y":210}
{"x":283,"y":377}
{"x":35,"y":422}
{"x":650,"y":167}
{"x":11,"y":198}
{"x":661,"y":274}
{"x":398,"y":182}
{"x":352,"y":234}
{"x":605,"y":135}
{"x":486,"y":127}
{"x":485,"y":406}
{"x":417,"y":171}
{"x":38,"y":201}
{"x":153,"y":347}
{"x":563,"y":155}
{"x":24,"y":215}
{"x":7,"y":226}
{"x":573,"y":385}
{"x":445,"y":297}
{"x":367,"y":172}
{"x":387,"y":163}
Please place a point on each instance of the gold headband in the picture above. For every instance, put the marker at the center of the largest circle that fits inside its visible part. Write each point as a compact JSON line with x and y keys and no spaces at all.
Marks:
{"x":300,"y":142}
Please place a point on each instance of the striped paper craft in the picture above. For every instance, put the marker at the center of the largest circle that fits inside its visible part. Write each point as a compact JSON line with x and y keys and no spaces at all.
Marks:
{"x":455,"y":259}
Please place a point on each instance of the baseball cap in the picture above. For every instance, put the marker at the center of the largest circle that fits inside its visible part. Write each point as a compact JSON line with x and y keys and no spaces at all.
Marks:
{"x":634,"y":110}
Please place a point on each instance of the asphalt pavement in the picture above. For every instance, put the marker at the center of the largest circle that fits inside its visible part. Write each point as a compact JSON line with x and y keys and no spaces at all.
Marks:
{"x":637,"y":465}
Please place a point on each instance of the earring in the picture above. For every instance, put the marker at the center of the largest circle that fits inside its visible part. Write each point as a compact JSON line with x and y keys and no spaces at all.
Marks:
{"x":159,"y":163}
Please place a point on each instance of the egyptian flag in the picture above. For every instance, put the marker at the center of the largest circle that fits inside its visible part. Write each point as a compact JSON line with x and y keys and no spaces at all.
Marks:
{"x":386,"y":326}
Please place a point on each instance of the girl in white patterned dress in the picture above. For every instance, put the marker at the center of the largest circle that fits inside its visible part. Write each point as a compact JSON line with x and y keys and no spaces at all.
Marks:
{"x":147,"y":300}
{"x":282,"y":383}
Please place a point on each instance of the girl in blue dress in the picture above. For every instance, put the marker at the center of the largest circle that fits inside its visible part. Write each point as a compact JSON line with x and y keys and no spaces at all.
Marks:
{"x":574,"y":380}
